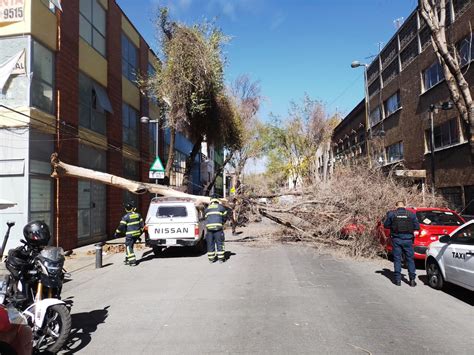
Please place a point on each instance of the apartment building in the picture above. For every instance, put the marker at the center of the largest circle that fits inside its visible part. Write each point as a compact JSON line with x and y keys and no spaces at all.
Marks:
{"x":403,"y":81}
{"x":68,"y":76}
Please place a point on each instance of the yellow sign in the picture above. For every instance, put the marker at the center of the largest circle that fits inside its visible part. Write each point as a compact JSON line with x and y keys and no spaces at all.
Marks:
{"x":12,"y":10}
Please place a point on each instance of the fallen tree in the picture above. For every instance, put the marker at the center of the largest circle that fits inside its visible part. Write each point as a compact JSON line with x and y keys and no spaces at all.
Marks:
{"x":345,"y":212}
{"x":61,"y":169}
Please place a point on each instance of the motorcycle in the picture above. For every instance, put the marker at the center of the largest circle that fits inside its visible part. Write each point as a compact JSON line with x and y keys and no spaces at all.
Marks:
{"x":34,"y":286}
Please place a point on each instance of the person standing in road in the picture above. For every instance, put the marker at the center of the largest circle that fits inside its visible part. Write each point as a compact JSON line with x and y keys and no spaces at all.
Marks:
{"x":402,"y":224}
{"x":216,"y":216}
{"x":131,"y":226}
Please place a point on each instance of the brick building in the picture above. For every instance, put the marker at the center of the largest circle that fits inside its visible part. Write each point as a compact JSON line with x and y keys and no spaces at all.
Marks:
{"x":68,"y":85}
{"x":403,"y":81}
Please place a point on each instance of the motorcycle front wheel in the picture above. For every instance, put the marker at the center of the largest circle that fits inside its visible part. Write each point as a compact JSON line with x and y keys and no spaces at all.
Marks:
{"x":56,"y":329}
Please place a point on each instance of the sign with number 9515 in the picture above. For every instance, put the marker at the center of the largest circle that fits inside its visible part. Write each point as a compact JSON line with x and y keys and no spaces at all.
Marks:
{"x":12,"y":10}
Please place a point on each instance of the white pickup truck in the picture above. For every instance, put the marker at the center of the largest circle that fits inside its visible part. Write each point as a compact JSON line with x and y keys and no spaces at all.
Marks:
{"x":174,"y":221}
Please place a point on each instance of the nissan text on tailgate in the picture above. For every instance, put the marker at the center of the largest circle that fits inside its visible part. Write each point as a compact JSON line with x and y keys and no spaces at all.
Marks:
{"x":173,"y":221}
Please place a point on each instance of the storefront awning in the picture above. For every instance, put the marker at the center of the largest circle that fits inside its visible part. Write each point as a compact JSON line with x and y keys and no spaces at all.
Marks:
{"x":57,"y":3}
{"x":103,"y":98}
{"x":7,"y":68}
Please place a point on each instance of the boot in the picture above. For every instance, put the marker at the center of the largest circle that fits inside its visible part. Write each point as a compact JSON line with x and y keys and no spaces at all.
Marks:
{"x":397,"y":283}
{"x":412,"y":283}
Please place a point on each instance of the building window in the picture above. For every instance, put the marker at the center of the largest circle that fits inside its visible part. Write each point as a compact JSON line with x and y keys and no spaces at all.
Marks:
{"x":392,"y":104}
{"x":465,"y":50}
{"x":454,"y":197}
{"x":41,"y":184}
{"x":93,"y":104}
{"x":42,"y":83}
{"x":445,"y":135}
{"x":130,"y":171}
{"x":129,"y":59}
{"x":92,"y":24}
{"x":395,"y":152}
{"x":130,"y":125}
{"x":432,"y":76}
{"x":375,"y":116}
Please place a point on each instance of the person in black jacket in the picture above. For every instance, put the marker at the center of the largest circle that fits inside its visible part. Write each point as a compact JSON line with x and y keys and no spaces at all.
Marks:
{"x":131,"y":226}
{"x":402,"y":224}
{"x":216,"y":216}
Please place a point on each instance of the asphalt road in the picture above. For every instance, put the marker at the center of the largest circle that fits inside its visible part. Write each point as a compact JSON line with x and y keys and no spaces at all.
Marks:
{"x":272,"y":299}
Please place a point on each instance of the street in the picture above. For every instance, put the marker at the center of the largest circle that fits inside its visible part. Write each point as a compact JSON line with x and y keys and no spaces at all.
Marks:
{"x":269,"y":298}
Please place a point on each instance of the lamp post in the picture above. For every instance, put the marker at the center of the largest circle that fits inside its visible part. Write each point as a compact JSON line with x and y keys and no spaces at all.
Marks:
{"x":445,"y":106}
{"x":147,"y":120}
{"x":357,"y":64}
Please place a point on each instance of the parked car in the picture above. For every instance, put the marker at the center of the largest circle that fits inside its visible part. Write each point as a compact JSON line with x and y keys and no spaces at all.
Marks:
{"x":434,"y":222}
{"x":451,"y":259}
{"x":174,"y":221}
{"x":351,"y":229}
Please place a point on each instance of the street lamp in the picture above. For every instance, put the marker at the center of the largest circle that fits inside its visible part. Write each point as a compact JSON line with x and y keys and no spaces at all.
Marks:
{"x":445,"y":106}
{"x":357,"y":64}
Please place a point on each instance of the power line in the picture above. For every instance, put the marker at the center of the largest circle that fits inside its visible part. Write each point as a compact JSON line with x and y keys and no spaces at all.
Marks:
{"x":64,"y":131}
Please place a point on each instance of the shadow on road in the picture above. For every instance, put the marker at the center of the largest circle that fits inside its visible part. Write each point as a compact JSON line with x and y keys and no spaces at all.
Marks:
{"x":228,"y":254}
{"x":389,"y":274}
{"x":458,"y":292}
{"x":172,"y":252}
{"x":83,"y":325}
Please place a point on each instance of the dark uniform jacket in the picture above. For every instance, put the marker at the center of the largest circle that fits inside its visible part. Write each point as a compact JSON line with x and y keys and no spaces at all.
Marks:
{"x":216,"y":215}
{"x":131,"y":225}
{"x":389,"y":223}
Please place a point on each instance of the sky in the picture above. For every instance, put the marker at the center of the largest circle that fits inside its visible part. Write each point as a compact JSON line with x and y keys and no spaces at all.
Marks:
{"x":290,"y":47}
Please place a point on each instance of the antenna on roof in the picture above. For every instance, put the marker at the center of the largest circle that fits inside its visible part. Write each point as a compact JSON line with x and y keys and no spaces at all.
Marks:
{"x":398,"y":22}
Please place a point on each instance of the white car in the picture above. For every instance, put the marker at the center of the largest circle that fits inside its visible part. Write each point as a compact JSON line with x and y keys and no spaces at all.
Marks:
{"x":174,"y":221}
{"x":451,"y":258}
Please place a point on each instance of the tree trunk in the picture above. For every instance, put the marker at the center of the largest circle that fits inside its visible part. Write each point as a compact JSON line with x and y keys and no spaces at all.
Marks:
{"x":457,"y":84}
{"x":217,"y":172}
{"x":170,"y":161}
{"x":326,"y":148}
{"x":61,"y":169}
{"x":187,"y":178}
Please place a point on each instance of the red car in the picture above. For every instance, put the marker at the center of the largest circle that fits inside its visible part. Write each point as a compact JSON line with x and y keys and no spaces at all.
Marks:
{"x":434,"y":222}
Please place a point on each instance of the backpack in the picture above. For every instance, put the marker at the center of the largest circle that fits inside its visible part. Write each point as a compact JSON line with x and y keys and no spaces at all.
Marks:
{"x":402,"y":222}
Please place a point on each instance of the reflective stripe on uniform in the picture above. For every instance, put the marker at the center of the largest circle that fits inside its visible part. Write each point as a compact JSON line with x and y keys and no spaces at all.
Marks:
{"x":133,"y":223}
{"x":137,"y":232}
{"x":123,"y":222}
{"x":214,"y":225}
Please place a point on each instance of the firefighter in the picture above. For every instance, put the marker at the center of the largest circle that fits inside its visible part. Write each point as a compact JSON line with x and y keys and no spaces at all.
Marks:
{"x":131,"y":226}
{"x":402,"y":224}
{"x":216,"y":216}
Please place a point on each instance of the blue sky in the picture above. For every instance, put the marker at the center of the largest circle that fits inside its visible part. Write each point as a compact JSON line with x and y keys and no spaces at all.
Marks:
{"x":291,"y":47}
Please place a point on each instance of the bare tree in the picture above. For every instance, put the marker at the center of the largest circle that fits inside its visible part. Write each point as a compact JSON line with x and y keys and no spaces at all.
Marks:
{"x":434,"y":14}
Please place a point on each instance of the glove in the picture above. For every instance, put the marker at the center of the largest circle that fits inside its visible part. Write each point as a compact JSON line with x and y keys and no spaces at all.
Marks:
{"x":138,"y":240}
{"x":116,"y":235}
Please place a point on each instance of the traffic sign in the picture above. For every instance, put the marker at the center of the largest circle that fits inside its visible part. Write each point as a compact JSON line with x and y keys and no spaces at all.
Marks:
{"x":157,"y":165}
{"x":156,"y":174}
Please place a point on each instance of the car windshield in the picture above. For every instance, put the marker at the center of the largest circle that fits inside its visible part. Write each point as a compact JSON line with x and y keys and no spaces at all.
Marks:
{"x":438,"y":218}
{"x":171,"y":211}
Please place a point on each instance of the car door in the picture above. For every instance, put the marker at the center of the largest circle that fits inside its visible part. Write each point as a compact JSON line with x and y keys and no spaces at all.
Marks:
{"x":462,"y":256}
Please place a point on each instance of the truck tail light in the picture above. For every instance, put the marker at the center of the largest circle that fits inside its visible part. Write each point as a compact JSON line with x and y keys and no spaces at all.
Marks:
{"x":196,"y":232}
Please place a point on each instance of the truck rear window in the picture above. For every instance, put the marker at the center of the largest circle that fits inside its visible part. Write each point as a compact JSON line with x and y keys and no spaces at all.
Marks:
{"x":438,"y":218}
{"x":171,"y":211}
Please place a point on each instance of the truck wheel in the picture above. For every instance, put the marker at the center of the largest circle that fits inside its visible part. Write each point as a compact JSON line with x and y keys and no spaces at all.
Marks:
{"x":435,"y":278}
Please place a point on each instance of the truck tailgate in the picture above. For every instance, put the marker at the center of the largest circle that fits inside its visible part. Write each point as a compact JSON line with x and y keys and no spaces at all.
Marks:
{"x":172,"y":230}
